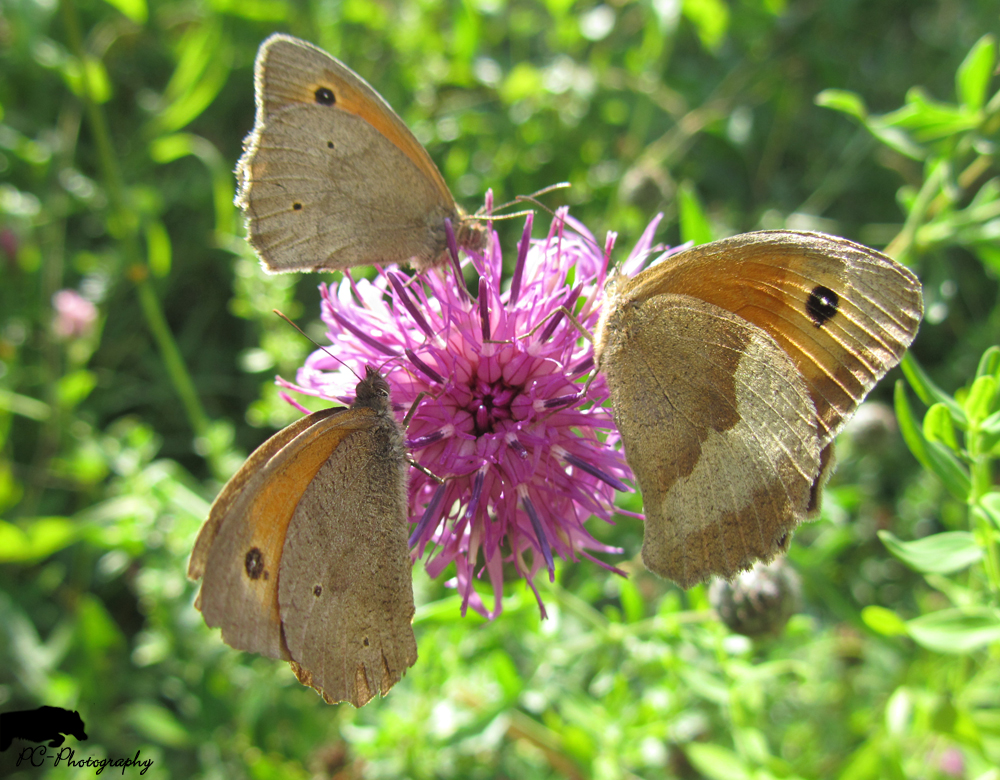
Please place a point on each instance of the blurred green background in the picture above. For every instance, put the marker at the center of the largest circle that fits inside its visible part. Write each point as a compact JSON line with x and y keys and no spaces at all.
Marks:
{"x":125,"y":405}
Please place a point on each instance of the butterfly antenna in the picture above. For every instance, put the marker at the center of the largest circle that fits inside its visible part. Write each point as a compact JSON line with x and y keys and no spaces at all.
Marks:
{"x":394,"y":358}
{"x":318,"y":346}
{"x":500,"y":217}
{"x":536,"y":194}
{"x":533,"y":197}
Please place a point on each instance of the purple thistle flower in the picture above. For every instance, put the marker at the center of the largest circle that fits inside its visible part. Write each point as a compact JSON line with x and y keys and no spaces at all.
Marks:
{"x":526,"y":459}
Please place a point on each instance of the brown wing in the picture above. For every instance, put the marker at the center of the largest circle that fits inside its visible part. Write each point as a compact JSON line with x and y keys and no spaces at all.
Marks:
{"x":288,"y":71}
{"x":238,"y":551}
{"x":718,"y":429}
{"x":331,"y":177}
{"x":346,"y":590}
{"x":844,"y":313}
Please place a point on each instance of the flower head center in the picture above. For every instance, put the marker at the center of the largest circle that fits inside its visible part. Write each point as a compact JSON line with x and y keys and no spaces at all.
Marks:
{"x":491,"y":405}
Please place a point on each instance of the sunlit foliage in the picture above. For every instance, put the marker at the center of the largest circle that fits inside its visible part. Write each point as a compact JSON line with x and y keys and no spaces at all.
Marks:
{"x":123,"y":410}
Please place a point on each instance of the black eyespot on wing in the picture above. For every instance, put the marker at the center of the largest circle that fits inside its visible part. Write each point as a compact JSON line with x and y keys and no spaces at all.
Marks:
{"x":297,"y":206}
{"x":317,"y":590}
{"x":822,"y":305}
{"x":324,"y":96}
{"x":329,"y":144}
{"x":254,"y":563}
{"x":366,"y":642}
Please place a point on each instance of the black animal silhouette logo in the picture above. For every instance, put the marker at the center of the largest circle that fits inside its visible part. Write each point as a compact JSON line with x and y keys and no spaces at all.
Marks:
{"x":44,"y":724}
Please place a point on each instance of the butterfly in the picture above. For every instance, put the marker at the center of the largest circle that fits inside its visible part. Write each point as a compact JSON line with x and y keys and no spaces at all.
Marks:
{"x":304,"y":554}
{"x":731,"y":368}
{"x":331,"y":177}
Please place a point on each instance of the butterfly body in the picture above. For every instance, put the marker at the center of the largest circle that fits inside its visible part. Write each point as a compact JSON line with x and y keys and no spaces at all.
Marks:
{"x":331,"y":177}
{"x":304,"y":555}
{"x":731,"y":367}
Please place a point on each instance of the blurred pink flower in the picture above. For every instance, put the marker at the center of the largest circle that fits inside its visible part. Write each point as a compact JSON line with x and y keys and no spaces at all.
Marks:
{"x":75,"y":315}
{"x":526,"y":459}
{"x":9,"y":244}
{"x":952,"y":762}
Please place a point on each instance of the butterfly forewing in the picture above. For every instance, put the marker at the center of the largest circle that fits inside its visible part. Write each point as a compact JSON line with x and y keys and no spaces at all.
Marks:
{"x":239,"y":549}
{"x":331,"y":177}
{"x":844,"y":313}
{"x":289,"y":71}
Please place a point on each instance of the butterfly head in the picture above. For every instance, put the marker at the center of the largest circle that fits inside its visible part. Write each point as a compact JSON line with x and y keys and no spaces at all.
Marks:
{"x":373,"y":390}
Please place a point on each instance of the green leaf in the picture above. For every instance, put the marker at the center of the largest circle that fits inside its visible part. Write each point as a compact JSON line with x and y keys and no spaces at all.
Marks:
{"x":710,"y":18}
{"x":956,"y":630}
{"x":365,"y":13}
{"x":938,"y":427}
{"x":990,"y":435}
{"x":884,"y":621}
{"x":912,"y":434}
{"x":982,"y":395}
{"x":168,"y":148}
{"x":850,"y":103}
{"x":523,"y":81}
{"x":991,"y":425}
{"x":896,"y":139}
{"x":75,"y":387}
{"x":256,"y":10}
{"x":172,"y":147}
{"x":189,"y":106}
{"x":706,"y":686}
{"x":194,"y":57}
{"x":135,"y":10}
{"x":157,"y":724}
{"x":899,"y":712}
{"x":942,"y":553}
{"x":928,"y":120}
{"x":96,"y":630}
{"x":752,"y":745}
{"x":504,"y":671}
{"x":988,"y":254}
{"x":633,"y":604}
{"x":24,"y":405}
{"x":989,"y":363}
{"x":933,"y":456}
{"x":927,"y":391}
{"x":98,"y":83}
{"x":716,"y":762}
{"x":864,"y":763}
{"x":949,"y":470}
{"x":694,"y":224}
{"x":158,"y":249}
{"x":974,"y":74}
{"x":202,"y":69}
{"x":990,"y":504}
{"x":35,"y":539}
{"x":11,"y":490}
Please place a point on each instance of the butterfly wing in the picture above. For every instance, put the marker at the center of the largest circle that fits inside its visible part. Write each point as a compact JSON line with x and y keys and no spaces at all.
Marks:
{"x":331,"y":177}
{"x":238,"y":551}
{"x":843,"y":313}
{"x":346,"y":591}
{"x":719,"y":430}
{"x":304,"y":555}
